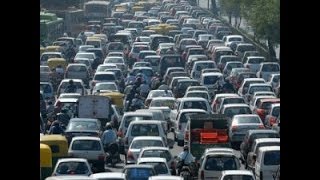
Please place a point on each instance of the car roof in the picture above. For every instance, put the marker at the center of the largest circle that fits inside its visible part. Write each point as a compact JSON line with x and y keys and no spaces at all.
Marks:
{"x":208,"y":150}
{"x":85,"y":138}
{"x":237,"y":172}
{"x":227,"y":95}
{"x":219,"y":153}
{"x":259,"y":84}
{"x":212,"y":74}
{"x":72,"y":159}
{"x":197,"y":91}
{"x":270,"y":100}
{"x":192,"y":99}
{"x":148,"y":68}
{"x":84,"y":119}
{"x":68,"y":177}
{"x":137,"y":113}
{"x":108,"y":175}
{"x":269,"y":148}
{"x":191,"y":110}
{"x":71,"y":100}
{"x":163,"y":98}
{"x":146,"y":122}
{"x":155,"y":148}
{"x":253,"y":79}
{"x":152,"y":159}
{"x":138,"y":166}
{"x":245,"y":115}
{"x":258,"y":131}
{"x":147,"y":138}
{"x":104,"y":72}
{"x":74,"y":80}
{"x":165,"y":177}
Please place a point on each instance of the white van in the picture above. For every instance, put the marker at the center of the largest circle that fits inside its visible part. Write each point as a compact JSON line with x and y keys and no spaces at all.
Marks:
{"x":267,"y":162}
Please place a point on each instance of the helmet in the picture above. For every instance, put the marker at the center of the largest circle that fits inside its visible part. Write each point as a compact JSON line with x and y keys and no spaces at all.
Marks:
{"x":185,"y":147}
{"x":108,"y":125}
{"x":70,"y":81}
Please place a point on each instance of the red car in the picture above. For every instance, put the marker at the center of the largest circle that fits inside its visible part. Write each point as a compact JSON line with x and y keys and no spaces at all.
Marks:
{"x":264,"y":106}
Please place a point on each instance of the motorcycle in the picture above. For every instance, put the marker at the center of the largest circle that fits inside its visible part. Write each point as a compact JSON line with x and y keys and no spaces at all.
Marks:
{"x":187,"y":171}
{"x":112,"y":154}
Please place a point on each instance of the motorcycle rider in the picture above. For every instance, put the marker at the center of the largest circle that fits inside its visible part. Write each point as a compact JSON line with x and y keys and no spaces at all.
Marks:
{"x":186,"y":157}
{"x":56,"y":128}
{"x":227,"y":86}
{"x":144,"y":89}
{"x":63,"y":117}
{"x":71,"y":88}
{"x":137,"y":103}
{"x":108,"y":137}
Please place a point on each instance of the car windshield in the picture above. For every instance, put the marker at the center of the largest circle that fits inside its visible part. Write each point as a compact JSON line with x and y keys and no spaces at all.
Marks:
{"x":160,"y":103}
{"x":220,"y":163}
{"x":197,"y":94}
{"x":270,"y":68}
{"x":272,"y":158}
{"x":159,"y":167}
{"x":111,"y":87}
{"x":136,"y":117}
{"x":139,"y":173}
{"x":72,"y":167}
{"x":210,"y":80}
{"x":195,"y":105}
{"x":247,"y":119}
{"x":233,"y":101}
{"x":77,"y":69}
{"x":276,"y":112}
{"x":238,"y":177}
{"x":89,"y":56}
{"x":145,"y":130}
{"x":157,"y":153}
{"x":86,"y":145}
{"x":83,"y":125}
{"x":104,"y":77}
{"x":230,"y":112}
{"x":260,"y":88}
{"x":138,"y":144}
{"x":114,"y":60}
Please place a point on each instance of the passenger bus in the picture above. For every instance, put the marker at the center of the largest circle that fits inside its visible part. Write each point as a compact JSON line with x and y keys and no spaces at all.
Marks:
{"x":97,"y":10}
{"x":51,"y":27}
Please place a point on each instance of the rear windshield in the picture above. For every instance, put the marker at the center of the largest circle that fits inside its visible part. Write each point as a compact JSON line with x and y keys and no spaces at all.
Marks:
{"x":272,"y":158}
{"x":202,"y":95}
{"x":137,"y":49}
{"x":250,"y":119}
{"x":210,"y":79}
{"x":104,"y":77}
{"x":159,"y":167}
{"x":184,"y":119}
{"x":201,"y":66}
{"x":160,"y":103}
{"x":260,"y":88}
{"x":230,"y":112}
{"x":157,"y":153}
{"x":116,"y":46}
{"x":255,"y":60}
{"x":72,"y":166}
{"x":195,"y":105}
{"x":138,"y":144}
{"x":145,"y":130}
{"x":115,"y":60}
{"x":243,"y":48}
{"x":220,"y":163}
{"x":270,"y":68}
{"x":233,"y":101}
{"x":44,"y":69}
{"x":276,"y":112}
{"x":153,"y":61}
{"x":86,"y":145}
{"x":77,"y":68}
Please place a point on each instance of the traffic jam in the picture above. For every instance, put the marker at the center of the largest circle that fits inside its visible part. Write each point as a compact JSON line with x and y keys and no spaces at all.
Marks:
{"x":157,"y":90}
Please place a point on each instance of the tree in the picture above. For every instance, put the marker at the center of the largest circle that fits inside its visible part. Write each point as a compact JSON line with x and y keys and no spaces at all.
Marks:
{"x":231,"y":7}
{"x":264,"y":17}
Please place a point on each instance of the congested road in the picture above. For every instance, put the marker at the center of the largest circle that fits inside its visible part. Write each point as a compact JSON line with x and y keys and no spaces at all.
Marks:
{"x":146,"y":68}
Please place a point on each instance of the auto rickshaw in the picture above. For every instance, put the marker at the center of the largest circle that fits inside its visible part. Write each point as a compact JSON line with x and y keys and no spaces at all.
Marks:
{"x":116,"y":98}
{"x":58,"y":145}
{"x":54,"y":62}
{"x":45,"y":161}
{"x":137,"y":8}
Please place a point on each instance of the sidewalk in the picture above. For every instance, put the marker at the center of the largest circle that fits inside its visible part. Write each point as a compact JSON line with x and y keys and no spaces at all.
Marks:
{"x":243,"y":25}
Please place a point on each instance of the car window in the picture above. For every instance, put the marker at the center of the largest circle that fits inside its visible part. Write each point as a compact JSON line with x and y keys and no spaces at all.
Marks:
{"x":46,"y":88}
{"x":195,"y":105}
{"x":86,"y":145}
{"x":250,"y":119}
{"x":83,"y":125}
{"x":233,"y":101}
{"x":157,"y":153}
{"x":139,"y":173}
{"x":270,"y":68}
{"x":265,"y":144}
{"x":159,"y":167}
{"x":72,"y":167}
{"x":276,"y":112}
{"x":138,"y":144}
{"x":230,"y":112}
{"x":77,"y":68}
{"x":272,"y":158}
{"x":104,"y":77}
{"x":237,"y":177}
{"x":220,"y":163}
{"x":145,"y":130}
{"x":210,"y":79}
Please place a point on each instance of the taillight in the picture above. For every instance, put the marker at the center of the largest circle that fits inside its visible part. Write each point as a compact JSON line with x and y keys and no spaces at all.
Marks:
{"x":261,"y":127}
{"x":202,"y":175}
{"x":234,"y":128}
{"x":101,"y":157}
{"x":130,"y":156}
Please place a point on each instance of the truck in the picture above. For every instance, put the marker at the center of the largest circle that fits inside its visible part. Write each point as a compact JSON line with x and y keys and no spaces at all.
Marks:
{"x":206,"y":131}
{"x":97,"y":107}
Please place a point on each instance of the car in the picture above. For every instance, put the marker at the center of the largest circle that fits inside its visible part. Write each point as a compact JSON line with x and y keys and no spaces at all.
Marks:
{"x":230,"y":100}
{"x":142,"y":54}
{"x":77,"y":82}
{"x":175,"y":74}
{"x":271,"y":117}
{"x":163,"y":101}
{"x":144,"y":128}
{"x":246,"y":83}
{"x":267,"y":162}
{"x":157,"y":115}
{"x":204,"y":38}
{"x":141,"y":64}
{"x":135,"y":50}
{"x":229,"y":66}
{"x":231,"y":110}
{"x":90,"y":148}
{"x":215,"y":105}
{"x":228,"y":39}
{"x":274,"y":80}
{"x":210,"y":80}
{"x":48,"y":55}
{"x":72,"y":166}
{"x":261,"y":142}
{"x":196,"y":88}
{"x":89,"y":55}
{"x":237,"y":174}
{"x":263,"y":93}
{"x":105,"y":76}
{"x":154,"y":60}
{"x":146,"y":71}
{"x":77,"y":71}
{"x":69,"y":95}
{"x":264,"y":106}
{"x":116,"y":54}
{"x":83,"y":48}
{"x":83,"y":127}
{"x":240,"y":124}
{"x":267,"y":68}
{"x":139,"y":172}
{"x":198,"y":66}
{"x":251,"y":135}
{"x":109,"y":176}
{"x":238,"y":78}
{"x":213,"y":163}
{"x":243,"y":47}
{"x":182,"y":85}
{"x":235,"y":73}
{"x":249,"y":53}
{"x":157,"y":93}
{"x":160,"y":152}
{"x":105,"y":86}
{"x":174,"y":81}
{"x":254,"y":87}
{"x":253,"y":63}
{"x":276,"y":176}
{"x":103,"y":67}
{"x":226,"y":58}
{"x":114,"y":47}
{"x":172,"y":69}
{"x":45,"y":73}
{"x":202,"y":94}
{"x":140,"y":142}
{"x":160,"y":164}
{"x":119,"y":61}
{"x":179,"y":124}
{"x":276,"y":126}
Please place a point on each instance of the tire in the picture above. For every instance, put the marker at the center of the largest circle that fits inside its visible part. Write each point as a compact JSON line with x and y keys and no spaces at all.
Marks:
{"x":186,"y":175}
{"x":180,"y":142}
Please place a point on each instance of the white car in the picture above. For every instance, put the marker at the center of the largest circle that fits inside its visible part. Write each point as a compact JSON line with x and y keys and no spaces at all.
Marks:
{"x":90,"y":148}
{"x":72,"y":166}
{"x":217,"y":100}
{"x":202,"y":94}
{"x":163,"y":101}
{"x":267,"y":162}
{"x":105,"y":86}
{"x":165,"y":177}
{"x":140,"y":142}
{"x":109,"y":176}
{"x":237,"y":174}
{"x":245,"y":84}
{"x":160,"y":164}
{"x":253,"y":63}
{"x":103,"y":67}
{"x":160,"y":152}
{"x":268,"y":68}
{"x":157,"y":93}
{"x":76,"y":177}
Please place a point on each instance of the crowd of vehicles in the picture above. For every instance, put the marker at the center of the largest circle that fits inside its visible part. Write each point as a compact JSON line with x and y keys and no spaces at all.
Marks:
{"x":143,"y":72}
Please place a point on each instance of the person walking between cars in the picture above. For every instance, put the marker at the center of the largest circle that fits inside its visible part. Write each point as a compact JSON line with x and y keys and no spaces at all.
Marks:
{"x":71,"y":88}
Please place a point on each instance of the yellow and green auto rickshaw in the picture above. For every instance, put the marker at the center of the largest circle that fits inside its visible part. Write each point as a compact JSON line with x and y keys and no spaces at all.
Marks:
{"x":58,"y":145}
{"x":54,"y":62}
{"x":45,"y":161}
{"x":53,"y":49}
{"x":116,"y":99}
